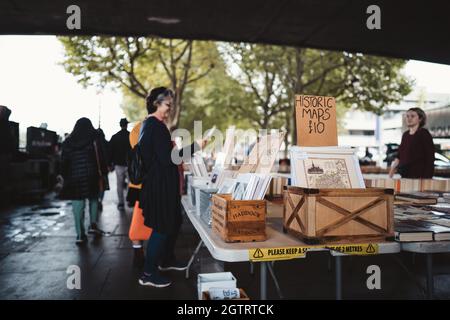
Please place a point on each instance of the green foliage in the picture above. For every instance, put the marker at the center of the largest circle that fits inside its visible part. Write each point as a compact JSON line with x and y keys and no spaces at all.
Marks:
{"x":273,"y":75}
{"x":138,"y":64}
{"x":222,"y":84}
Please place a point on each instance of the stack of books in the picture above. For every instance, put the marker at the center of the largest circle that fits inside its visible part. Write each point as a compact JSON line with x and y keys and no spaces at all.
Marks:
{"x":198,"y":166}
{"x":420,"y":230}
{"x":410,"y":185}
{"x":418,"y":198}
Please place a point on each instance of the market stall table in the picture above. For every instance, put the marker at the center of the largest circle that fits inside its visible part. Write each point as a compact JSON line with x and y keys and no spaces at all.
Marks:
{"x":239,"y":252}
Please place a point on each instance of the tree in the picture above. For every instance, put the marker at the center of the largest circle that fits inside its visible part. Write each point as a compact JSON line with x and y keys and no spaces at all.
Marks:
{"x":213,"y":99}
{"x":258,"y":72}
{"x":274,"y":74}
{"x":138,"y":64}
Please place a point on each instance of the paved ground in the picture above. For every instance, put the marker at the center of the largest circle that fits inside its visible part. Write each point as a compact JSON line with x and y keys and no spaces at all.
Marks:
{"x":37,"y":245}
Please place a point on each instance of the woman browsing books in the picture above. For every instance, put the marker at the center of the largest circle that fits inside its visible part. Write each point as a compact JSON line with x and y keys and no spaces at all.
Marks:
{"x":160,"y":194}
{"x":416,"y":152}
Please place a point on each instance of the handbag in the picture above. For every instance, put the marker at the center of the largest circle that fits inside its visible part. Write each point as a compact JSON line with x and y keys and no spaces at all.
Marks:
{"x":101,"y":178}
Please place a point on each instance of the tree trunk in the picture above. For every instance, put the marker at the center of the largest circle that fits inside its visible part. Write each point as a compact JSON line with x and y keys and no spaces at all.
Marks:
{"x":176,"y":109}
{"x":288,"y":132}
{"x":298,"y":88}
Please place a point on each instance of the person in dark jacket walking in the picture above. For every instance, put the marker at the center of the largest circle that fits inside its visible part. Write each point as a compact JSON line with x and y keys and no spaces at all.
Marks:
{"x":83,"y":164}
{"x":160,"y":194}
{"x":416,"y":152}
{"x":105,"y":151}
{"x":120,"y":147}
{"x":6,"y":139}
{"x":7,"y":151}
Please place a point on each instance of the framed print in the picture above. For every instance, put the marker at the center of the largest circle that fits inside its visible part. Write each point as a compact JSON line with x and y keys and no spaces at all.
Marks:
{"x":225,"y":156}
{"x":227,"y":186}
{"x":325,"y":167}
{"x":264,"y":154}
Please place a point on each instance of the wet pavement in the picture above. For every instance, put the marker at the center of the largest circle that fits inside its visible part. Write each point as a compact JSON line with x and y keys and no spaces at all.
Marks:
{"x":37,"y":246}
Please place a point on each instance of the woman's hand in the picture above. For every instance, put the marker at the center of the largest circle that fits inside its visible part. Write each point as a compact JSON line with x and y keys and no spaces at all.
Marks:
{"x":391,"y":172}
{"x":393,"y":168}
{"x":202,"y":142}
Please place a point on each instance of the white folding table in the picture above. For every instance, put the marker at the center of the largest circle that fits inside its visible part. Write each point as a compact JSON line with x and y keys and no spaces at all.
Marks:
{"x":276,"y":238}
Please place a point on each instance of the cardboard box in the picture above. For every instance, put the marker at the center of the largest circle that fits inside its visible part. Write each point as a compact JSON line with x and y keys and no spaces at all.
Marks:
{"x":244,"y":296}
{"x":217,"y":279}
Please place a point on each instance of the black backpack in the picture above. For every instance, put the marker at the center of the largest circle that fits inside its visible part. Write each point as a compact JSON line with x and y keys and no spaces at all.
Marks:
{"x":136,"y":168}
{"x":135,"y":162}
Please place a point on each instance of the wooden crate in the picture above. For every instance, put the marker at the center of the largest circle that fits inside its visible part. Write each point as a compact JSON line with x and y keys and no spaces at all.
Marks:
{"x":320,"y":215}
{"x":239,"y":220}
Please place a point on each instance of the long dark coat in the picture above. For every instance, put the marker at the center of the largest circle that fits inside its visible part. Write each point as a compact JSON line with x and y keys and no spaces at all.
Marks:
{"x":80,"y":168}
{"x":160,"y":195}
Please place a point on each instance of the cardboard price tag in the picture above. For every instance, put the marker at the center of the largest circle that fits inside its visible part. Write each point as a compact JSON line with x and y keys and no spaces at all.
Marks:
{"x":316,"y":121}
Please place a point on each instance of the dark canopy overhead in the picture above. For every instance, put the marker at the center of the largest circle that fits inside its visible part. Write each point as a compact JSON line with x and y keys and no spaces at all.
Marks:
{"x":408,"y":29}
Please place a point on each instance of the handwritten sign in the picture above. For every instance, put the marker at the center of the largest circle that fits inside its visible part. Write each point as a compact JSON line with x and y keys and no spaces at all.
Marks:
{"x":316,"y":121}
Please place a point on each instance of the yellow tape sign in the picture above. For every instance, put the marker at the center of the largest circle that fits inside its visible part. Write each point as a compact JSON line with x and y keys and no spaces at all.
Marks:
{"x":286,"y":253}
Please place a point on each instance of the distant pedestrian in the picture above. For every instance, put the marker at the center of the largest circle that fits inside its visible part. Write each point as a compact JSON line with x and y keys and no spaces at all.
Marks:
{"x":83,"y":164}
{"x":106,"y":152}
{"x":416,"y":152}
{"x":120,"y":147}
{"x":7,"y":150}
{"x":6,"y":138}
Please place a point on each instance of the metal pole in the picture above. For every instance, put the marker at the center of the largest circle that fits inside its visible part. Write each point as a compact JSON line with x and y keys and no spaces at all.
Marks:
{"x":430,"y":279}
{"x":275,"y":280}
{"x":338,"y":261}
{"x":263,"y":280}
{"x":191,"y":260}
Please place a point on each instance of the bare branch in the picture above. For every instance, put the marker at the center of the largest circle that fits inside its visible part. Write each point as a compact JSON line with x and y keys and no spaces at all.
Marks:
{"x":324,"y":73}
{"x":188,"y":45}
{"x":130,"y":87}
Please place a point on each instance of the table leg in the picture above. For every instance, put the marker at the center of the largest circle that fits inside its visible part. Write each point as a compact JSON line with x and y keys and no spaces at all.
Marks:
{"x":338,"y":265}
{"x":263,"y":280}
{"x":430,"y":279}
{"x":191,"y":260}
{"x":275,"y":280}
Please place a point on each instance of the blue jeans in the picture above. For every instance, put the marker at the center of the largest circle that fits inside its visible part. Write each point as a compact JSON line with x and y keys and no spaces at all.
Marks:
{"x":160,"y":250}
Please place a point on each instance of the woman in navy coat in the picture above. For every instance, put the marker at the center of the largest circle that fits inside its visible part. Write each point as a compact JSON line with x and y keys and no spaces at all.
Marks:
{"x":160,"y":197}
